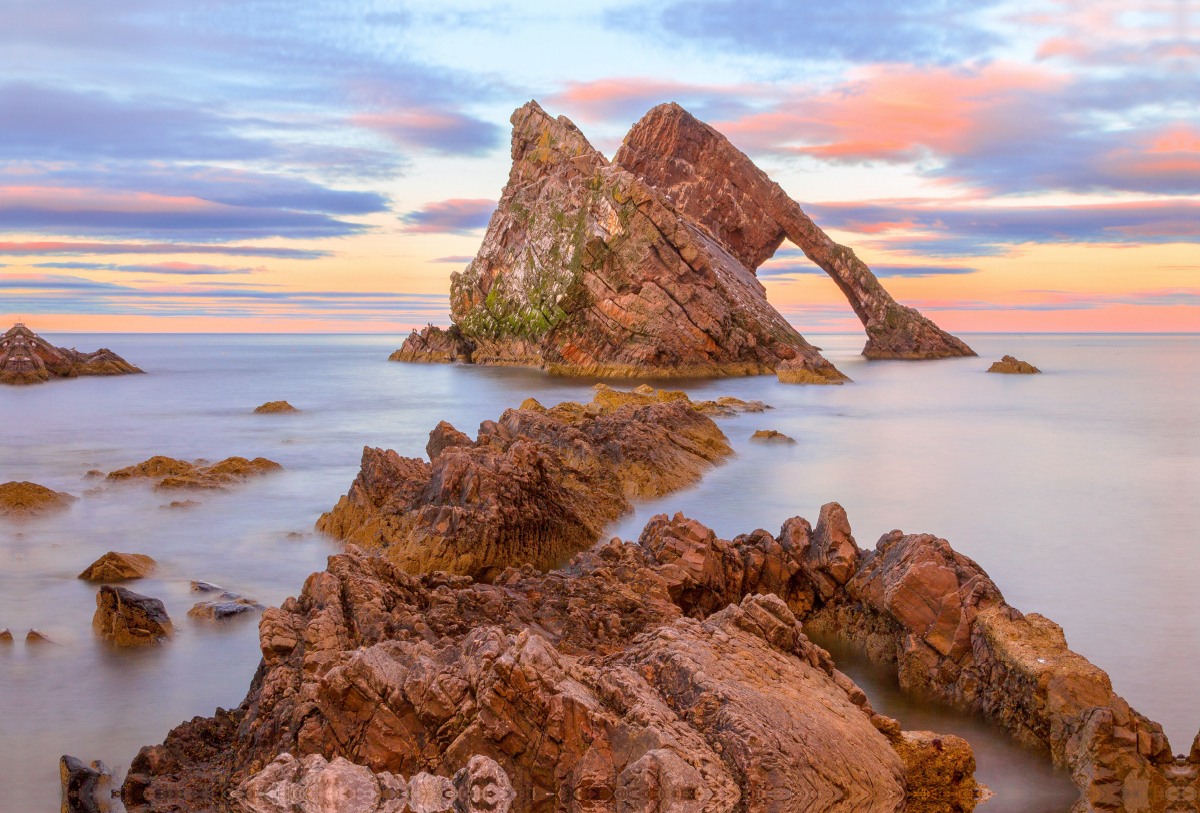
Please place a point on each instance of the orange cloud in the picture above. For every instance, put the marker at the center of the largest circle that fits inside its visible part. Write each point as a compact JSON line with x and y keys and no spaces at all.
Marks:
{"x":946,"y":110}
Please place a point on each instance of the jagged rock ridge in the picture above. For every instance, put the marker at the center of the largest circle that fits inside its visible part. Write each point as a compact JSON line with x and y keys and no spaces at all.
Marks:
{"x":26,"y":358}
{"x":713,"y":182}
{"x":587,"y":270}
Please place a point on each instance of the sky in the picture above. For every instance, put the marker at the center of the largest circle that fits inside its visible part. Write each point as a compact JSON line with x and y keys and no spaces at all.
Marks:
{"x":278,"y":166}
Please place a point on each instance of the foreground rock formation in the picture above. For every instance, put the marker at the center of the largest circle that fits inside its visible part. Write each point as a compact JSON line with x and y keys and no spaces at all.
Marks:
{"x":587,"y":270}
{"x":536,"y":486}
{"x":711,"y":181}
{"x":179,"y":474}
{"x":26,"y":358}
{"x":677,"y":662}
{"x":625,"y":682}
{"x":125,"y":618}
{"x":25,"y":500}
{"x":1012,"y":365}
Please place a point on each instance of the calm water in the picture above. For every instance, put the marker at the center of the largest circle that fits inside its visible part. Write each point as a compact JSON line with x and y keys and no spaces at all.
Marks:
{"x":1077,"y":490}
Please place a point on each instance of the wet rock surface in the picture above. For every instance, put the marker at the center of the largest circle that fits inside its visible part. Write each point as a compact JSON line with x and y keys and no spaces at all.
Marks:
{"x":115,"y":567}
{"x":274,"y":407}
{"x":710,"y":181}
{"x":536,"y":486}
{"x":26,"y":358}
{"x":80,"y":784}
{"x":587,"y":270}
{"x":171,"y":474}
{"x":125,"y":618}
{"x":771,"y":437}
{"x":25,"y":500}
{"x":1011,"y":365}
{"x":226,"y":606}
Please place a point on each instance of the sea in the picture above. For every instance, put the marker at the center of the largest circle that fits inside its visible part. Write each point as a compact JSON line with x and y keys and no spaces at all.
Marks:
{"x":1077,"y":490}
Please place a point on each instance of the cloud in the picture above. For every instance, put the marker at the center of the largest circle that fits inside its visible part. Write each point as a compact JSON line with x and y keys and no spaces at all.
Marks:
{"x":440,"y":131}
{"x":628,"y":99}
{"x":918,"y":31}
{"x":145,"y":217}
{"x":50,"y":248}
{"x":454,"y":258}
{"x":939,"y":229}
{"x":62,"y":294}
{"x":1070,"y":301}
{"x":791,"y":269}
{"x":174,"y":268}
{"x":454,"y":216}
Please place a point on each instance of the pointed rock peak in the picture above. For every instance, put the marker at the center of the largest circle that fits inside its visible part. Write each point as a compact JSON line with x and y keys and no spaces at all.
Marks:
{"x":539,"y":138}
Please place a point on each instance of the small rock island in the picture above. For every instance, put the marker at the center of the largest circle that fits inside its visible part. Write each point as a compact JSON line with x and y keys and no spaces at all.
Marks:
{"x":1012,"y":366}
{"x":645,"y":266}
{"x":26,"y":358}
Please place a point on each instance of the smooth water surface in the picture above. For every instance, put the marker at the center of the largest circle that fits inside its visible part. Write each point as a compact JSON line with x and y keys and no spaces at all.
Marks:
{"x":1076,"y":490}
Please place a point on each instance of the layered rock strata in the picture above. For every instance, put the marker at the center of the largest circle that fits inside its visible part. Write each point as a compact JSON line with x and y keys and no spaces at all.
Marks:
{"x":711,"y":181}
{"x":26,"y":358}
{"x":25,"y":500}
{"x":171,"y":474}
{"x":536,"y":486}
{"x":605,"y":686}
{"x":587,"y":270}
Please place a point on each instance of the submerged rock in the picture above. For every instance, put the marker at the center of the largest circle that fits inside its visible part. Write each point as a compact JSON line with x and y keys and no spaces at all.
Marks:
{"x":771,"y":436}
{"x":275,"y":406}
{"x":36,"y":637}
{"x":173,"y":474}
{"x":6,"y":636}
{"x":536,"y":486}
{"x":26,"y":500}
{"x":125,"y":618}
{"x":709,"y":180}
{"x":1008,"y":364}
{"x":26,"y":358}
{"x":113,"y":567}
{"x":223,"y":608}
{"x":587,"y":270}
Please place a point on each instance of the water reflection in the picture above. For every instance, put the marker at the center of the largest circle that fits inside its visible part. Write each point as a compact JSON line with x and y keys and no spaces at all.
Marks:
{"x":1023,"y":780}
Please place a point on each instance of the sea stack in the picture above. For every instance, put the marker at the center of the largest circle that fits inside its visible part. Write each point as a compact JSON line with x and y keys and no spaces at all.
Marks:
{"x":714,"y":183}
{"x":26,"y":358}
{"x":587,"y":270}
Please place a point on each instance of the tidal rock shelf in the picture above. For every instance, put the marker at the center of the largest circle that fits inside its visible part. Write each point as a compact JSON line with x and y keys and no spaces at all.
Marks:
{"x":170,"y":474}
{"x":537,"y":486}
{"x":26,"y":358}
{"x":679,"y":657}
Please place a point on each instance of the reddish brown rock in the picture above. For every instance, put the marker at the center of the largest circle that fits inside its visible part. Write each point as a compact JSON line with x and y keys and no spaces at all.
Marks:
{"x":587,"y":270}
{"x":173,"y":474}
{"x":1011,"y":365}
{"x":584,"y":686}
{"x":770,"y":436}
{"x":274,"y":407}
{"x":115,"y":567}
{"x":536,"y":486}
{"x":125,"y":618}
{"x":711,"y":181}
{"x":26,"y":500}
{"x":433,"y":345}
{"x":26,"y":358}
